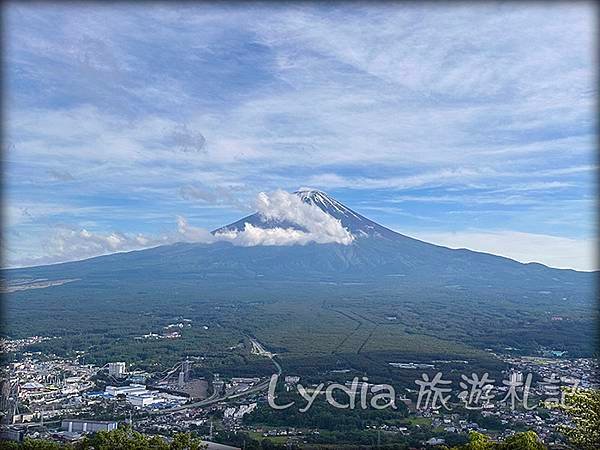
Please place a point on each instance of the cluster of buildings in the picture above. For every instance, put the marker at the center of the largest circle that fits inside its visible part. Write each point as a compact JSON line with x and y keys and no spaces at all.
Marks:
{"x":165,"y":335}
{"x":71,"y":430}
{"x":236,"y":413}
{"x":582,"y":370}
{"x":185,"y":323}
{"x":543,"y":378}
{"x":239,"y":385}
{"x":37,"y":388}
{"x":15,"y":345}
{"x":170,"y":331}
{"x":45,"y":388}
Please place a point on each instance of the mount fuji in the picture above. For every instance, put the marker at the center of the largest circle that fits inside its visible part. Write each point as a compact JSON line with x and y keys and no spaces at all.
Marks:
{"x":375,"y":255}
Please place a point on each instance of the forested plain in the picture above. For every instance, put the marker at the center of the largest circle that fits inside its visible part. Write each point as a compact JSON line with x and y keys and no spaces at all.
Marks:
{"x":312,"y":326}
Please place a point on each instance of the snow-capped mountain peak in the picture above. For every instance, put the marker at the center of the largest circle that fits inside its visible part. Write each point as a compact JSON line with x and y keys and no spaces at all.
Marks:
{"x":358,"y":225}
{"x":325,"y":202}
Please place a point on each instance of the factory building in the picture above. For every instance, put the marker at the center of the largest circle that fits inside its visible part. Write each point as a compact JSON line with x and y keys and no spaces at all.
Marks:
{"x":142,"y":400}
{"x":138,"y":395}
{"x":87,"y":426}
{"x":132,"y":389}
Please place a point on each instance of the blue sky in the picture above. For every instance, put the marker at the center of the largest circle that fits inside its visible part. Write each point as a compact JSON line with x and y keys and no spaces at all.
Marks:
{"x":469,"y":125}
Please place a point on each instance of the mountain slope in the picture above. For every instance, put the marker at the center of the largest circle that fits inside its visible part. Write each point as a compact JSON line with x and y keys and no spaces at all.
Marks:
{"x":377,"y":255}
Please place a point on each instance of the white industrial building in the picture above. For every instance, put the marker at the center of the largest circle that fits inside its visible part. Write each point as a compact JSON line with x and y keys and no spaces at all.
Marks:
{"x":139,"y":396}
{"x":87,"y":426}
{"x":117,"y":369}
{"x":132,"y":389}
{"x":143,"y":400}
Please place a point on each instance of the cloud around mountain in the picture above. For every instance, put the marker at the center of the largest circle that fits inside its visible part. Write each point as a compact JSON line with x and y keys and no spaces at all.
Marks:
{"x":305,"y":223}
{"x":282,"y":207}
{"x":296,"y":223}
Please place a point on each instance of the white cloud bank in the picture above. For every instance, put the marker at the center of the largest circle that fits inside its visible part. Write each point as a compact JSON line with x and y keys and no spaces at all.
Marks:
{"x":68,"y":244}
{"x":279,"y":206}
{"x":282,"y":206}
{"x":553,"y":251}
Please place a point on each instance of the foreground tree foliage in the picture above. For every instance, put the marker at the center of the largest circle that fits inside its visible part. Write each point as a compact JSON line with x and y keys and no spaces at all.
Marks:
{"x":583,"y":407}
{"x":123,"y":438}
{"x":30,"y":444}
{"x":527,"y":440}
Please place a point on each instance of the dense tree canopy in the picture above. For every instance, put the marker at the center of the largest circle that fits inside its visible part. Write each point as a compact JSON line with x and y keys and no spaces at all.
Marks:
{"x":123,"y":438}
{"x":519,"y":441}
{"x":583,"y":407}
